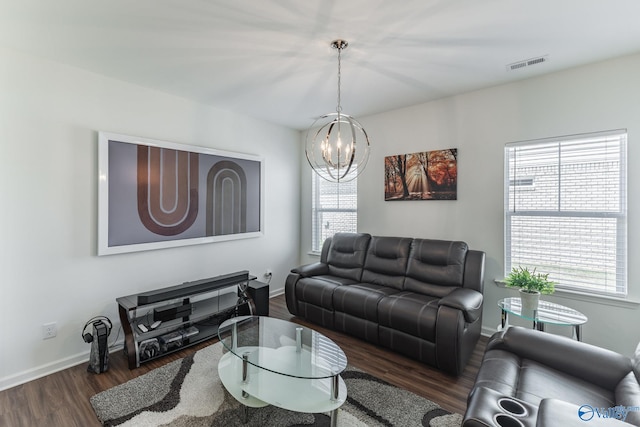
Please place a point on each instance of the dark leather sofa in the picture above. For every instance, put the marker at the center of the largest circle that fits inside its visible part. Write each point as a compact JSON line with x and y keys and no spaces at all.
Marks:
{"x":533,"y":378}
{"x":420,"y":297}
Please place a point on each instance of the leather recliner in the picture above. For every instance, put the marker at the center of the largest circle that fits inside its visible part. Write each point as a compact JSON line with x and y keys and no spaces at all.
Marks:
{"x":541,"y":379}
{"x":420,"y":297}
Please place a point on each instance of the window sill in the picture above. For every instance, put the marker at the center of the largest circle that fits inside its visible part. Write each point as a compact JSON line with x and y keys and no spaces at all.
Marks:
{"x":312,"y":253}
{"x":581,"y":296}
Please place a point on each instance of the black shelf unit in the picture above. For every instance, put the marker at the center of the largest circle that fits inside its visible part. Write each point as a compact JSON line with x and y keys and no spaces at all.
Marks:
{"x":203,"y":305}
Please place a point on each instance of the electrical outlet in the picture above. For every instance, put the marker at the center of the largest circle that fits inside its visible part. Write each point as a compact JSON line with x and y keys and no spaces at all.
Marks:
{"x":49,"y":330}
{"x":268,"y":273}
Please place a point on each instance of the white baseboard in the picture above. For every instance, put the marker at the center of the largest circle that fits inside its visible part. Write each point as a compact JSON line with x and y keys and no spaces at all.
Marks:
{"x":487,"y":331}
{"x":276,"y":292}
{"x":50,"y":368}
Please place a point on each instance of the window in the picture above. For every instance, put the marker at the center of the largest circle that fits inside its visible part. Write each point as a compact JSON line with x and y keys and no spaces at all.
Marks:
{"x":566,"y":211}
{"x":334,"y":209}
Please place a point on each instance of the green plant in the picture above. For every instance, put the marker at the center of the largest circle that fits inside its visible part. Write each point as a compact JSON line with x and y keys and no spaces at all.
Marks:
{"x":530,"y":281}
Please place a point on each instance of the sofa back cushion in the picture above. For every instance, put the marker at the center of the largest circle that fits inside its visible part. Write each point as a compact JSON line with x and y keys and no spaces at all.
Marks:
{"x":435,"y":267}
{"x":347,"y":253}
{"x":386,"y":261}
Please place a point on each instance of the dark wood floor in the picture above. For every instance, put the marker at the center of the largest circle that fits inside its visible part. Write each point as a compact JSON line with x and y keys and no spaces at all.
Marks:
{"x":62,"y":399}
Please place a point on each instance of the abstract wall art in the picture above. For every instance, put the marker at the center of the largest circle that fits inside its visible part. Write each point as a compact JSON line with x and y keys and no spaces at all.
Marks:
{"x":156,"y":194}
{"x":428,"y":175}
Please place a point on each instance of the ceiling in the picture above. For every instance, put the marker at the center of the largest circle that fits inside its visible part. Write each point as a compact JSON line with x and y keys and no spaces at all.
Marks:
{"x":271,"y":59}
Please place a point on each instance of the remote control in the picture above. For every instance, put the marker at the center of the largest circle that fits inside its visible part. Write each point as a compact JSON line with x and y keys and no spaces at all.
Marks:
{"x":155,"y":324}
{"x":142,"y":327}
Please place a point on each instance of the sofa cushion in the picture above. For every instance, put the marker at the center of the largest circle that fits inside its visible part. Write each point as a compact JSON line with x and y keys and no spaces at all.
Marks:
{"x":319,"y":290}
{"x":531,"y":381}
{"x":435,"y":266}
{"x":414,"y":314}
{"x":386,"y":261}
{"x":360,"y":300}
{"x":346,"y":255}
{"x":538,"y":381}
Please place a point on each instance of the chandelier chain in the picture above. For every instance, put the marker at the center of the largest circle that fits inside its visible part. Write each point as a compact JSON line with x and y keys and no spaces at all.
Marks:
{"x":339,"y":107}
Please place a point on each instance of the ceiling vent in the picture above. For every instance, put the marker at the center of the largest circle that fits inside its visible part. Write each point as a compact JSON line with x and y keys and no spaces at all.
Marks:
{"x":527,"y":63}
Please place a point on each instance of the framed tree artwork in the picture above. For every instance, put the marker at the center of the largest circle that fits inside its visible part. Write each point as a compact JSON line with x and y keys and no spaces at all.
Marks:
{"x":156,"y":194}
{"x":427,"y":175}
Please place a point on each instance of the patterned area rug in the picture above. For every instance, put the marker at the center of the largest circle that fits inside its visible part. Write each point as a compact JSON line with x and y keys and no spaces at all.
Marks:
{"x":188,"y":393}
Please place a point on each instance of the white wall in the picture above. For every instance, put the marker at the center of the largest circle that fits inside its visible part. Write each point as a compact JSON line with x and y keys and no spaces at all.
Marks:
{"x":597,"y":97}
{"x":49,"y":118}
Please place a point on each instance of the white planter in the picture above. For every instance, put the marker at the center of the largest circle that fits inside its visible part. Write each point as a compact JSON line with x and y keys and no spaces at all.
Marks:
{"x":529,"y":300}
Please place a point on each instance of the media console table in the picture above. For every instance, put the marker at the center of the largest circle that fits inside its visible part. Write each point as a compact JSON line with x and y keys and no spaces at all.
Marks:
{"x":165,"y":320}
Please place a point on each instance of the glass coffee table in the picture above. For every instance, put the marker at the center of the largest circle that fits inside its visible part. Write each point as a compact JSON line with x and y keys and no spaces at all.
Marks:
{"x":548,"y":313}
{"x":269,"y":361}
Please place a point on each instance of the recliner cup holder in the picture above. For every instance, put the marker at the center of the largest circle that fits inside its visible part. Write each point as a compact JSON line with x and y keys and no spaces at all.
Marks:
{"x":512,"y":407}
{"x":505,"y":420}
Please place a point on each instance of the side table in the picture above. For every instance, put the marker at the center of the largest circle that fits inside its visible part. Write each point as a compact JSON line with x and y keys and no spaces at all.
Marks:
{"x":548,"y":313}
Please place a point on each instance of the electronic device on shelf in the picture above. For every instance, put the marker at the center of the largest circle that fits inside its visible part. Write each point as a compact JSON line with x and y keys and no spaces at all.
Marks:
{"x":172,"y":311}
{"x":176,"y":339}
{"x":193,"y":288}
{"x":149,"y":349}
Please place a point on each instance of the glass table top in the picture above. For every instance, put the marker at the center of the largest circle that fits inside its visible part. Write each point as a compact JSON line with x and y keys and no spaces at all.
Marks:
{"x":547,"y":312}
{"x":282,"y":347}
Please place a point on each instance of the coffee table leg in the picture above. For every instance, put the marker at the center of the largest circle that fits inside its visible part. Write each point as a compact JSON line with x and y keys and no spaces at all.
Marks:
{"x":234,"y":336}
{"x":245,"y":380}
{"x":334,"y":418}
{"x":335,"y":387}
{"x":335,"y":393}
{"x":298,"y":340}
{"x":245,"y":373}
{"x":245,"y":414}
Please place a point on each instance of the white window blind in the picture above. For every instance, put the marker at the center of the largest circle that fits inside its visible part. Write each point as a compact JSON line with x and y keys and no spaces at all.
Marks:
{"x":334,"y":209}
{"x":566,"y":210}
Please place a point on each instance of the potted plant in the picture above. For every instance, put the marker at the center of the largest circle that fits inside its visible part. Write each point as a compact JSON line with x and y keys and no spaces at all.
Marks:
{"x":531,"y":285}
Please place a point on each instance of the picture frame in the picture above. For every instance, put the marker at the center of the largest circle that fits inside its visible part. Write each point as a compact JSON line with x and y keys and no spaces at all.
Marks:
{"x":156,"y":194}
{"x":425,"y":175}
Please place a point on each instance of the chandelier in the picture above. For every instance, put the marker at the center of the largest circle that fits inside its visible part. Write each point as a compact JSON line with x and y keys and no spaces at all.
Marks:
{"x":337,"y":146}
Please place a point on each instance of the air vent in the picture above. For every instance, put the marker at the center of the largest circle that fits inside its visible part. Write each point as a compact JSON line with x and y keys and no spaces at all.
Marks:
{"x":527,"y":63}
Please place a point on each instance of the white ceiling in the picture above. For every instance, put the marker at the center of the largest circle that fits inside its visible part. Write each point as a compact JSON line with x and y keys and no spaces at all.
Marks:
{"x":272,"y":59}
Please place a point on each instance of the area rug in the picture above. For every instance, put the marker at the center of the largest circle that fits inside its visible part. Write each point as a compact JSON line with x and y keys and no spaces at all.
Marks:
{"x":188,"y":393}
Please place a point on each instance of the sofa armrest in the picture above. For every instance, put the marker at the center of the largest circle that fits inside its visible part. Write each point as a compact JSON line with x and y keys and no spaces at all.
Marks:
{"x":466,"y":300}
{"x":554,"y":412}
{"x":315,"y":269}
{"x":575,"y":358}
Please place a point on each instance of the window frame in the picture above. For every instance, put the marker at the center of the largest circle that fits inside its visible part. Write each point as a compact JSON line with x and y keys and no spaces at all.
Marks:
{"x":316,"y":225}
{"x":621,"y":215}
